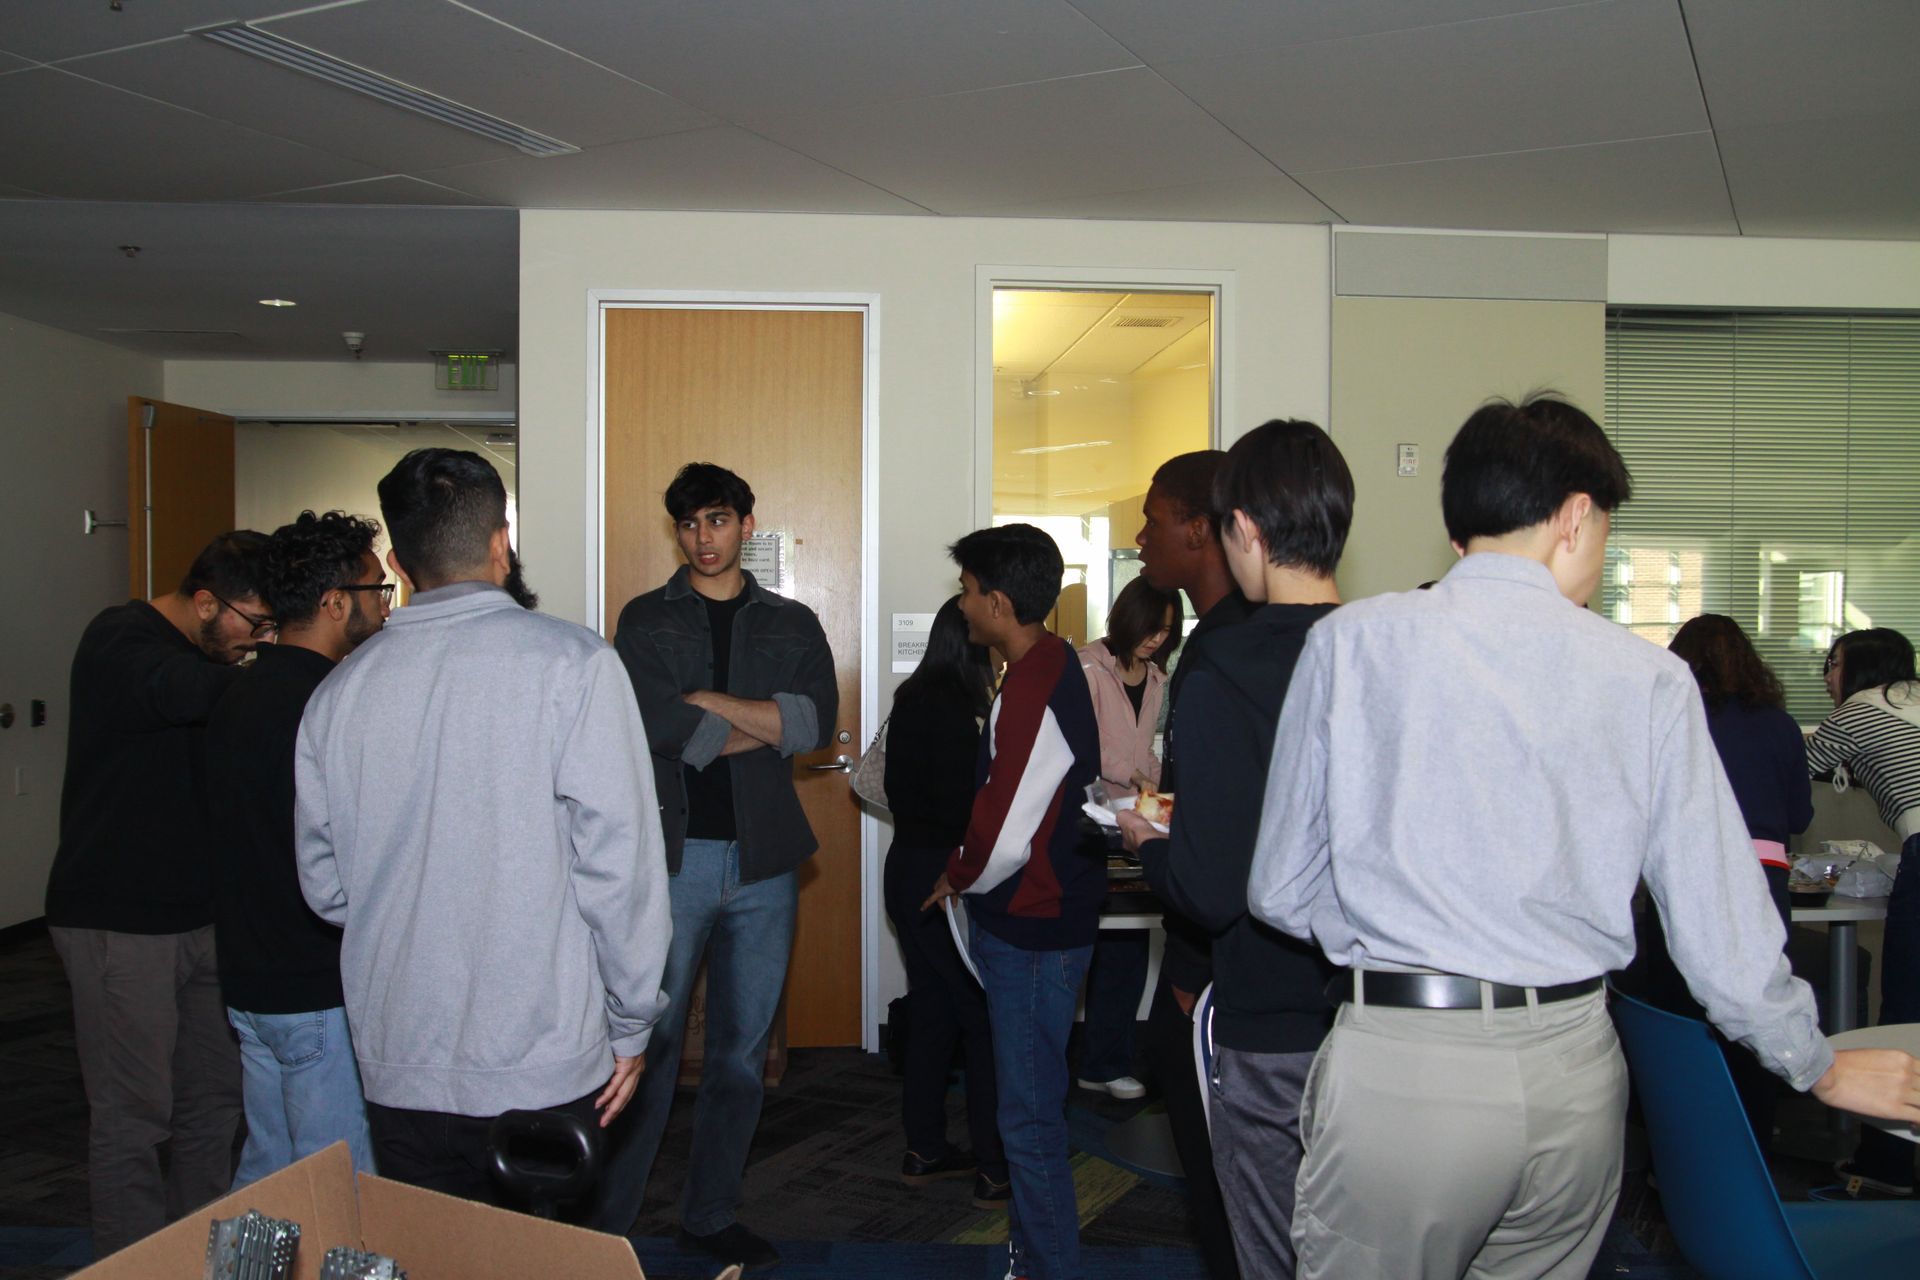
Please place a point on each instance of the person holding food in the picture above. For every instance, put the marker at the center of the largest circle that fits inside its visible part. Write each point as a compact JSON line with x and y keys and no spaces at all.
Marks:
{"x":1286,"y":503}
{"x":1126,"y":676}
{"x":1873,"y":735}
{"x":1467,"y":785}
{"x":933,"y":739}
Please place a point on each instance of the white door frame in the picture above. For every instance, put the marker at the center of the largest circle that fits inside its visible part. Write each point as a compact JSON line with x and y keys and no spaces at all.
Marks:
{"x":987,"y":278}
{"x":599,"y":302}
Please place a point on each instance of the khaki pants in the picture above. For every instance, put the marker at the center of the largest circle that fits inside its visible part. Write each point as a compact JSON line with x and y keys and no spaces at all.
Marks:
{"x":161,"y":1067}
{"x":1452,"y":1143}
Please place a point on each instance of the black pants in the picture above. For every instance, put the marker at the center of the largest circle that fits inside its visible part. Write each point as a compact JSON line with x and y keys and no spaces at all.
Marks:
{"x":945,"y":1010}
{"x":448,"y":1153}
{"x":1881,"y":1155}
{"x":1170,"y":1054}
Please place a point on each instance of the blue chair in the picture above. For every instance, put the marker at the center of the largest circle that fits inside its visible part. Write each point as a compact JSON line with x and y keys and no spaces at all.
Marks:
{"x":1718,"y":1197}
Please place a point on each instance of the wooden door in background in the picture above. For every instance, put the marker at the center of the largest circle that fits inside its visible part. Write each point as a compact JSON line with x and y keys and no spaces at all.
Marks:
{"x":179,"y":489}
{"x":776,"y":396}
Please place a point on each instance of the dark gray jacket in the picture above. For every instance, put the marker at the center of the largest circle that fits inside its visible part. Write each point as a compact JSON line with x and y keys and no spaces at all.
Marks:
{"x":778,"y":652}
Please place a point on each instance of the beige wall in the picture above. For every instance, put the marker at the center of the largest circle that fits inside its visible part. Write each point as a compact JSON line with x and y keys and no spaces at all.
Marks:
{"x":1410,"y":370}
{"x":63,"y":447}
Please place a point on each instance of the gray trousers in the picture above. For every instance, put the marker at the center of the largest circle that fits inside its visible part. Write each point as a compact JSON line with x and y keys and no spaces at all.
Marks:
{"x":161,"y":1066}
{"x":1451,"y":1143}
{"x":1255,"y":1109}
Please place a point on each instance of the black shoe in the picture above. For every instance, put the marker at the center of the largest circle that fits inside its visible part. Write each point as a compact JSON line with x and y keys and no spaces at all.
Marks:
{"x":988,"y":1194}
{"x":918,"y":1171}
{"x":731,"y":1243}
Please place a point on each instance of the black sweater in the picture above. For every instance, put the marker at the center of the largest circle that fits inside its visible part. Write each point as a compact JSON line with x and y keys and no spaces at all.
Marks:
{"x":1268,"y":988}
{"x":276,"y":956}
{"x":933,"y":741}
{"x":133,"y":817}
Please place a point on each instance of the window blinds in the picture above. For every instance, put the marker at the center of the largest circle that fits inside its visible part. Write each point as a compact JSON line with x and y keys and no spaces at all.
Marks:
{"x":1776,"y":469}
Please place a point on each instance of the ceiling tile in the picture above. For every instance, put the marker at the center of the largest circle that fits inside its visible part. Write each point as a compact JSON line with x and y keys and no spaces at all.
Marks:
{"x":972,"y":151}
{"x":744,"y":58}
{"x":19,"y":193}
{"x":1659,"y":184}
{"x":392,"y":189}
{"x":1157,"y":31}
{"x":1595,"y":73}
{"x":1765,"y":61}
{"x":257,"y":95}
{"x":98,"y":143}
{"x":48,"y":30}
{"x":719,"y":169}
{"x":1275,"y":199}
{"x":1826,"y":178}
{"x":458,"y":54}
{"x":10,"y":63}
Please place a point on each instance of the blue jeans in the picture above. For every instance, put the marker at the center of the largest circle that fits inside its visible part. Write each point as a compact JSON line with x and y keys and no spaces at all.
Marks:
{"x":301,"y":1088}
{"x":1115,"y":982}
{"x":745,"y":934}
{"x":1030,"y":1002}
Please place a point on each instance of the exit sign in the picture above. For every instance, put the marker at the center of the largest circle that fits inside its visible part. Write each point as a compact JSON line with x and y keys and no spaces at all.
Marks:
{"x":466,"y":370}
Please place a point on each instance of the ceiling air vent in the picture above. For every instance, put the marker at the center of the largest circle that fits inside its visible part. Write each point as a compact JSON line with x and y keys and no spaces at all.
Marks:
{"x":1145,"y":322}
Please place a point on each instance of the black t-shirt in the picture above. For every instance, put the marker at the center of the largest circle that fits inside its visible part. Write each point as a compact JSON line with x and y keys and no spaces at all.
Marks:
{"x":1136,"y":694}
{"x":276,"y":956}
{"x":710,"y":790}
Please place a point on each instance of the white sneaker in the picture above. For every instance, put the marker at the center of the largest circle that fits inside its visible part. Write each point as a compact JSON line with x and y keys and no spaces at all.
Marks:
{"x":1120,"y":1087}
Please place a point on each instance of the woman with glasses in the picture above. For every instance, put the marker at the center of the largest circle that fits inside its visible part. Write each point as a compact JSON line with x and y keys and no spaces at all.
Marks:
{"x":1126,"y":676}
{"x":1872,"y":737}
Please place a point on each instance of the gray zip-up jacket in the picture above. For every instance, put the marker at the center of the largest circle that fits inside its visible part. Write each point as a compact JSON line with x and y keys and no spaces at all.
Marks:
{"x":473,"y":808}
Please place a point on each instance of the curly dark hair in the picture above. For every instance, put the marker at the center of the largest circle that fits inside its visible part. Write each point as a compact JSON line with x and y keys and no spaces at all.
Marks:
{"x":1725,"y":664}
{"x":310,"y":557}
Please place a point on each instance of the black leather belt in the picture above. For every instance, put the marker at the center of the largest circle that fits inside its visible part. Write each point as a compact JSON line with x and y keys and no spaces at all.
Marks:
{"x":1446,"y":991}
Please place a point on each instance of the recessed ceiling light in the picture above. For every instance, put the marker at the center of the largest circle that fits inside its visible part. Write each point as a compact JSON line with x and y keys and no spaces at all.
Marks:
{"x":278,"y":302}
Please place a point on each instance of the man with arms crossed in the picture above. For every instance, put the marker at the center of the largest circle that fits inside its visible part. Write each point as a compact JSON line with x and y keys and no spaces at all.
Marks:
{"x":1467,"y":784}
{"x":733,"y":681}
{"x":130,"y":897}
{"x":1180,"y":551}
{"x":280,"y":963}
{"x":1285,"y":500}
{"x":473,"y":811}
{"x":1034,"y":896}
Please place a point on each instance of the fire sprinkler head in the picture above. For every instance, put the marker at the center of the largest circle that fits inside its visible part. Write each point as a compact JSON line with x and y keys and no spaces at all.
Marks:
{"x":354,"y":340}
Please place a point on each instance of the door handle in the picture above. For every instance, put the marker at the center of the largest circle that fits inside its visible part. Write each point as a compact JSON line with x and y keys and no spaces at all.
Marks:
{"x":841,"y":764}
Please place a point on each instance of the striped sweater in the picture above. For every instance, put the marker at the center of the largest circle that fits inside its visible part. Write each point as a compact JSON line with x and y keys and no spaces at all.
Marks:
{"x":1875,"y":735}
{"x":1027,"y":881}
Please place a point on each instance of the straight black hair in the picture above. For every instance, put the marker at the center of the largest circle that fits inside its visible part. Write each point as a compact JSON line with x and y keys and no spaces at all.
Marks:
{"x":442,"y":507}
{"x":1878,"y":657}
{"x":952,"y":666}
{"x":1017,"y":559}
{"x":1187,"y":481}
{"x":1512,"y":465}
{"x":701,"y":485}
{"x":232,"y":566}
{"x":1138,"y":611}
{"x":1293,"y":483}
{"x":310,"y":557}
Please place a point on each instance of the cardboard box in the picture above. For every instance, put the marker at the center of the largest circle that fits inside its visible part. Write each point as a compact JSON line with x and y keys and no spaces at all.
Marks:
{"x":432,"y":1236}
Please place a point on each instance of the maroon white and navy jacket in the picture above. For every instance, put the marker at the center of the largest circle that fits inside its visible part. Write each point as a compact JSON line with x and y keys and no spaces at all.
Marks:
{"x":1026,"y":879}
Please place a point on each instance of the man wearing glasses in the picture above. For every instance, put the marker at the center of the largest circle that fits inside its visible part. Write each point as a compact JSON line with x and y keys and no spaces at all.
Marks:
{"x":130,"y":897}
{"x":280,"y":963}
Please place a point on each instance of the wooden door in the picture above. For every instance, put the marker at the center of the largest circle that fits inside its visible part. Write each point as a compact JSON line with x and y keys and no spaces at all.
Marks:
{"x":777,"y":397}
{"x":179,"y":489}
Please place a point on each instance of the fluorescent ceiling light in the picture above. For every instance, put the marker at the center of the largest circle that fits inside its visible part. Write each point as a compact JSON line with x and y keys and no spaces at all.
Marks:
{"x":1062,"y":448}
{"x":345,"y":75}
{"x":278,"y":302}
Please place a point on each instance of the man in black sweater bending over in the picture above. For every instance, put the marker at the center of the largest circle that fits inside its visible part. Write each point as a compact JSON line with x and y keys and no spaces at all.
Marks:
{"x":279,"y":962}
{"x":1285,"y":500}
{"x":130,"y":897}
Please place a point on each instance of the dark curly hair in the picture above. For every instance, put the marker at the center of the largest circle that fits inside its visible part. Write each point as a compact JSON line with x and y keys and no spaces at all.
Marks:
{"x":310,"y":557}
{"x":1725,"y":664}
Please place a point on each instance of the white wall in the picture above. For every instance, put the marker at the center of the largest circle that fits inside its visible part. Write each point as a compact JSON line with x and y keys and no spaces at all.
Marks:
{"x":63,"y":447}
{"x":342,"y":388}
{"x":1727,"y":271}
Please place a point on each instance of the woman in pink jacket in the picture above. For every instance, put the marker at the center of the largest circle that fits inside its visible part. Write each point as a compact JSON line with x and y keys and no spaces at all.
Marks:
{"x":1126,"y":674}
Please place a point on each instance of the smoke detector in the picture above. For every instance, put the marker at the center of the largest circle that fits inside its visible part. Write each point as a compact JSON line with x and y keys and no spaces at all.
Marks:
{"x":354,"y":340}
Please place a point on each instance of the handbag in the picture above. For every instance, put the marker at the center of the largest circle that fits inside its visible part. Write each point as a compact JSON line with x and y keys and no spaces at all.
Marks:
{"x":869,"y":776}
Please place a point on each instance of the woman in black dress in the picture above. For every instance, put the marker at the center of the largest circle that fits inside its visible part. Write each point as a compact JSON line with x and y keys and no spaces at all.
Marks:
{"x":933,"y":746}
